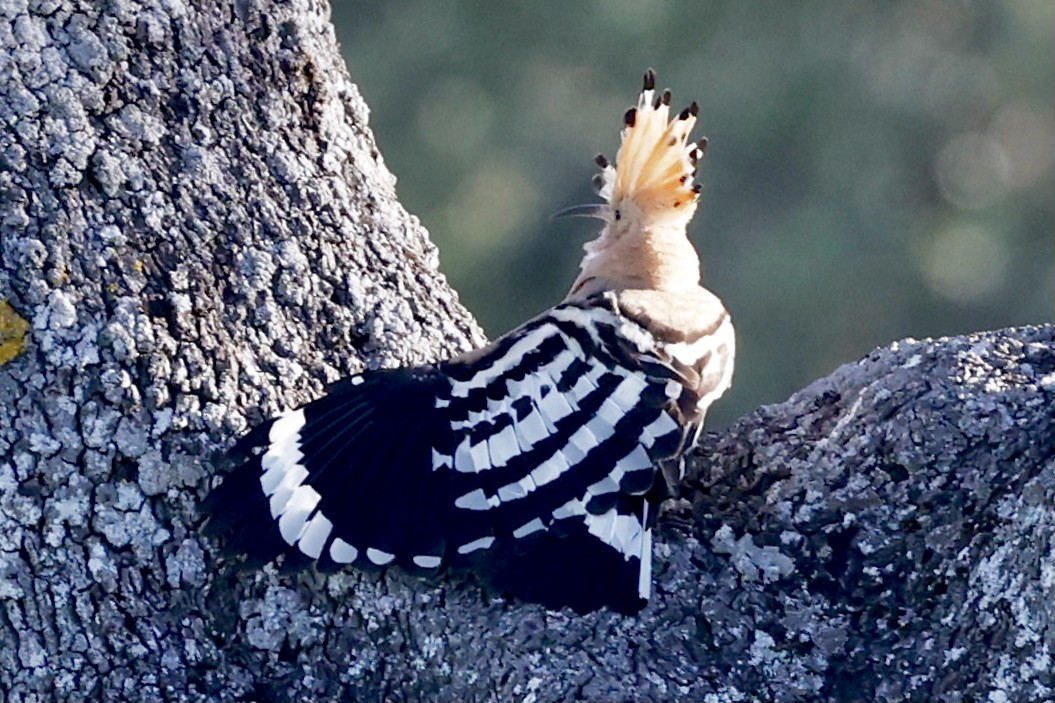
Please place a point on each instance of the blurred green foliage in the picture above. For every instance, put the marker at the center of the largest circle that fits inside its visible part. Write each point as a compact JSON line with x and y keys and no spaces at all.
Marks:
{"x":877,"y":170}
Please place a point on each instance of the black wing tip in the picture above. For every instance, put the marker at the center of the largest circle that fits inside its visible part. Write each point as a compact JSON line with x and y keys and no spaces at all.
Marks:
{"x":364,"y":417}
{"x":239,"y":518}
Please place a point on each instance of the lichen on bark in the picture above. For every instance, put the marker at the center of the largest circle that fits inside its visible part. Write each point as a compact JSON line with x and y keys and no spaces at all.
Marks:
{"x":13,"y":330}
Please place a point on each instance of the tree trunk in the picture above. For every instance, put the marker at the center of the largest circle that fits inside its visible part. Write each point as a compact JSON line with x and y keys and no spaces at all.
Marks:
{"x":199,"y":229}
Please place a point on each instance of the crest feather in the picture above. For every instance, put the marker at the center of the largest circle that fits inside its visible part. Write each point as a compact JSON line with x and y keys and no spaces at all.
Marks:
{"x":656,"y":163}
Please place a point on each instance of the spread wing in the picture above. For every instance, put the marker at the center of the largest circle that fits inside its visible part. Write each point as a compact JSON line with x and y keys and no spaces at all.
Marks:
{"x":531,"y":461}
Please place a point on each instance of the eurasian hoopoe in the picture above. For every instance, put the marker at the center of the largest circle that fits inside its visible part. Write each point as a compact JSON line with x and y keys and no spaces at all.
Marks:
{"x":532,"y":460}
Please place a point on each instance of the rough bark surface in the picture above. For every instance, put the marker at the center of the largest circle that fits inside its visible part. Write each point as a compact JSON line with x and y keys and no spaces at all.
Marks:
{"x":197,"y":224}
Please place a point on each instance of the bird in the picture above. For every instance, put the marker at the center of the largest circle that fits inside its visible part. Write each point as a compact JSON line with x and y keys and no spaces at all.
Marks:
{"x":538,"y":462}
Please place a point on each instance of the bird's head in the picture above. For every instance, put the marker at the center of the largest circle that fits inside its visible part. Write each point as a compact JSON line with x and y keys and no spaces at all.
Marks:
{"x":649,"y":198}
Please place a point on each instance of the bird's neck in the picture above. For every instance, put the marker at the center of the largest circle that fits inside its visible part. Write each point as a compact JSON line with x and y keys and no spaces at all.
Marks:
{"x":654,"y":257}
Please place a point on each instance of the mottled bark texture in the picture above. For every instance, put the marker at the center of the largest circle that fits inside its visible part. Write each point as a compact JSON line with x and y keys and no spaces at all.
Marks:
{"x":198,"y":226}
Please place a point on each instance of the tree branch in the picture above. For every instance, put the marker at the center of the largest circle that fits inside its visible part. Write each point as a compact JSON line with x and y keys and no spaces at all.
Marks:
{"x":198,"y":225}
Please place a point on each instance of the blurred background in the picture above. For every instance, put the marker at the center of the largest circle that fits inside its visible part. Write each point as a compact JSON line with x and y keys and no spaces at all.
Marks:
{"x":876,"y":170}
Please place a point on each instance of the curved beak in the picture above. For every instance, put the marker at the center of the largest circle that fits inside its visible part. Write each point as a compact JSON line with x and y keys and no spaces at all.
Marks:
{"x":597,"y":211}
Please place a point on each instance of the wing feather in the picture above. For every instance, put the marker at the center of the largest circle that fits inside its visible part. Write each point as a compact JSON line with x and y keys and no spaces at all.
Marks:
{"x":531,"y":461}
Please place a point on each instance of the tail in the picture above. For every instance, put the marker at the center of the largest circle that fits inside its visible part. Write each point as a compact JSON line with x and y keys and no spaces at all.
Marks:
{"x":656,"y":163}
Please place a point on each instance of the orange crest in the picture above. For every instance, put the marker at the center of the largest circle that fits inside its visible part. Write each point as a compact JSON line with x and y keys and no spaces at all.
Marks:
{"x":656,"y":163}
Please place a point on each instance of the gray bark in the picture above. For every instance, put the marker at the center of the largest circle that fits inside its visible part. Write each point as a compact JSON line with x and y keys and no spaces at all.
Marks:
{"x":197,"y":223}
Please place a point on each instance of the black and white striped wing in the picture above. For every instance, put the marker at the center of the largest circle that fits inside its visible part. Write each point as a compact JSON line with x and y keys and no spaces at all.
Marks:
{"x":556,"y":435}
{"x":531,"y":461}
{"x":345,"y":479}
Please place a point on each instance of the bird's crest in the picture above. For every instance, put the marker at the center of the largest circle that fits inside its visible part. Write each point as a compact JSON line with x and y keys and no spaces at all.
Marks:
{"x":656,"y":163}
